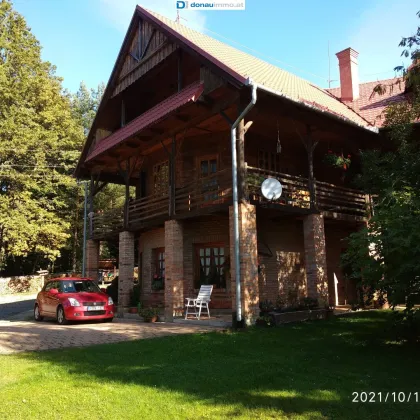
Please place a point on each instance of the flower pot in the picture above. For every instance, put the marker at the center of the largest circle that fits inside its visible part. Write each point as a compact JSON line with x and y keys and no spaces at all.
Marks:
{"x":152,"y":319}
{"x":132,"y":310}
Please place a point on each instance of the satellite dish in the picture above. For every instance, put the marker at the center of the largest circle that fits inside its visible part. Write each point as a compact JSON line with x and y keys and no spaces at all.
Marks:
{"x":271,"y":189}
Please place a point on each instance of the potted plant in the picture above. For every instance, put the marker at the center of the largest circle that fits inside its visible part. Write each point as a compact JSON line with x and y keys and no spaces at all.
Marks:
{"x":149,"y":314}
{"x":337,"y":160}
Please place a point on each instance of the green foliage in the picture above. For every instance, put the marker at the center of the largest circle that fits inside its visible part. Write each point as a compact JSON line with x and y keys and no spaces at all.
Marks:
{"x":386,"y":252}
{"x":148,"y":313}
{"x":40,"y":142}
{"x":337,"y":161}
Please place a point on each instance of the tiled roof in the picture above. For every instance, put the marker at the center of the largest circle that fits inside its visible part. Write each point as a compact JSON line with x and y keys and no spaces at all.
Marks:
{"x":189,"y":94}
{"x":372,"y":107}
{"x":247,"y":66}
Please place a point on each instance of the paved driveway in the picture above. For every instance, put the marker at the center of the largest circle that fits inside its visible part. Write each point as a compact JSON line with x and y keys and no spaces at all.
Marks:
{"x":23,"y":336}
{"x":13,"y":305}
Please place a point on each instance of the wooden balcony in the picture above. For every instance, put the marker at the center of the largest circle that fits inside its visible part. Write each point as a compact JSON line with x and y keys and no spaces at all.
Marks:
{"x":332,"y":200}
{"x":214,"y":193}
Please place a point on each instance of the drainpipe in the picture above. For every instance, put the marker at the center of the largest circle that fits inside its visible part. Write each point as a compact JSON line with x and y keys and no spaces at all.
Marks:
{"x":84,"y":231}
{"x":235,"y":199}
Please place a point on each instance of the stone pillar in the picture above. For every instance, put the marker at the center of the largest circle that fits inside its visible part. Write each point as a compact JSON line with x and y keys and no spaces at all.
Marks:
{"x":174,"y":269}
{"x":248,"y":250}
{"x":315,"y":257}
{"x":92,"y":259}
{"x":125,"y":270}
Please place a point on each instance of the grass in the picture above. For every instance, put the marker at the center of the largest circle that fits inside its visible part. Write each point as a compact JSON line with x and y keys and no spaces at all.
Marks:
{"x":302,"y":371}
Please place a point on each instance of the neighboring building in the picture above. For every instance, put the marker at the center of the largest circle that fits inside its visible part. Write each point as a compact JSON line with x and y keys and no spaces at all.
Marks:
{"x":360,"y":97}
{"x":163,"y":128}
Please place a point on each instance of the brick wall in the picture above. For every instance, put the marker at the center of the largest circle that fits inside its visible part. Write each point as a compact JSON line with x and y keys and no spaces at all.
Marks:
{"x":282,"y":275}
{"x":210,"y":229}
{"x":92,"y":259}
{"x":148,"y":242}
{"x":174,"y":268}
{"x":248,"y":261}
{"x":126,"y":268}
{"x":315,"y":257}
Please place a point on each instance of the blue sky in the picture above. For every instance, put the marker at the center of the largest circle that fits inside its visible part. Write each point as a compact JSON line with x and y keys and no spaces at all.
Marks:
{"x":82,"y":37}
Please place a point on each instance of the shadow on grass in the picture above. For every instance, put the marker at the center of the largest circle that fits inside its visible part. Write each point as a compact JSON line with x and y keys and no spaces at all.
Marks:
{"x":307,"y":369}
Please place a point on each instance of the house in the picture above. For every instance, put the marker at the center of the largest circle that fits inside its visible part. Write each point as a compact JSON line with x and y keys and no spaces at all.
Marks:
{"x":163,"y":129}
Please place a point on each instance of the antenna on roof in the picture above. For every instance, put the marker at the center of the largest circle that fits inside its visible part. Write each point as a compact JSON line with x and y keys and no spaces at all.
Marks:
{"x":329,"y":67}
{"x":178,"y":17}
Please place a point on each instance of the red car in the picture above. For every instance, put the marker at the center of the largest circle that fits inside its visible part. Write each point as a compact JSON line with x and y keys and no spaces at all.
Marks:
{"x":73,"y":299}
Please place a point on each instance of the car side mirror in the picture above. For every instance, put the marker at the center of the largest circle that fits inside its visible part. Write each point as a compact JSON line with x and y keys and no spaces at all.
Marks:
{"x":54,"y":291}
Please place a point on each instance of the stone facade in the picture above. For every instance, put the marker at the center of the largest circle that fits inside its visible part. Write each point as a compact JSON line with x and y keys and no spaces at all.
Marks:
{"x":248,"y":250}
{"x":174,"y":268}
{"x":126,"y":269}
{"x":315,"y":257}
{"x":92,"y":259}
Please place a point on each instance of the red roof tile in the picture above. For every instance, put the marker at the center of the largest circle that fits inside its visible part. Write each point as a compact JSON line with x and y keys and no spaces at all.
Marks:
{"x":372,"y":107}
{"x":190,"y":94}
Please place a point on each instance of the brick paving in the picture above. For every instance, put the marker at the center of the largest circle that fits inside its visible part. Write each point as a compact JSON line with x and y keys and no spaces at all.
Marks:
{"x":24,"y":336}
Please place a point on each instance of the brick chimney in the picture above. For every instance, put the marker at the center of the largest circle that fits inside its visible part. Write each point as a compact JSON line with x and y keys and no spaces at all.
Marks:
{"x":349,"y":74}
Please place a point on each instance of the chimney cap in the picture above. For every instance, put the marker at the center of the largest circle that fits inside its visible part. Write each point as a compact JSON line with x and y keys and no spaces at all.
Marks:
{"x":348,"y":52}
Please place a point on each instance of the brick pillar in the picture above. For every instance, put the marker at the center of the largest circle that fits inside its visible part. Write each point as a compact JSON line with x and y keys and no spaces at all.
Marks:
{"x":92,"y":259}
{"x":315,"y":257}
{"x":174,"y":268}
{"x":126,"y":270}
{"x":248,"y":250}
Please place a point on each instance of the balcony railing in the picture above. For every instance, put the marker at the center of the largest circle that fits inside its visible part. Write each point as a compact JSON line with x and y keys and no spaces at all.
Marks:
{"x":329,"y":198}
{"x":147,"y":209}
{"x":107,"y":222}
{"x":208,"y":194}
{"x":204,"y":194}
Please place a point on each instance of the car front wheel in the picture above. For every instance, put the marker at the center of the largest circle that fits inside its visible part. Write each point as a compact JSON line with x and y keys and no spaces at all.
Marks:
{"x":61,"y":316}
{"x":37,"y":313}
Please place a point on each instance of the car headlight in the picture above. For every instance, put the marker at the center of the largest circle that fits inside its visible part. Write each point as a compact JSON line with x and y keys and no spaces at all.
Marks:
{"x":110,"y":301}
{"x":74,"y":302}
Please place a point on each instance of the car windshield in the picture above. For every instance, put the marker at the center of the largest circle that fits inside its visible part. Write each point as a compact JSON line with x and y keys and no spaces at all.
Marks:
{"x":75,"y":286}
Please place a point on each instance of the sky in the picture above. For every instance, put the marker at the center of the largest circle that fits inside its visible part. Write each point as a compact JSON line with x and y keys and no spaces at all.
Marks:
{"x":82,"y":38}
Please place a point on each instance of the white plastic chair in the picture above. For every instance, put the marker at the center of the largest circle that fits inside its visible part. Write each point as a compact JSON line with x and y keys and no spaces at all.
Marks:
{"x":201,"y":302}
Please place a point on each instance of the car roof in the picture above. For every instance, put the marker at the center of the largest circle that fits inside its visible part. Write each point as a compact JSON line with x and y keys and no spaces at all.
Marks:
{"x":70,"y":278}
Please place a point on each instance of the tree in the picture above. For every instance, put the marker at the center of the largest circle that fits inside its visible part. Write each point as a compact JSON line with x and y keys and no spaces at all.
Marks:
{"x":40,"y":142}
{"x":392,"y":265}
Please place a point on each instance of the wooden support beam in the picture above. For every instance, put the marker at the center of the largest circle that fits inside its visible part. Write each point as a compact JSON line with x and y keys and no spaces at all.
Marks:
{"x":310,"y":146}
{"x":148,"y":44}
{"x":248,"y":126}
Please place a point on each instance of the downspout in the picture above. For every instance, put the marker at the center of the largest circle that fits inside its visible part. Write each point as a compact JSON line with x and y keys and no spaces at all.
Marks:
{"x":84,"y":231}
{"x":235,"y":199}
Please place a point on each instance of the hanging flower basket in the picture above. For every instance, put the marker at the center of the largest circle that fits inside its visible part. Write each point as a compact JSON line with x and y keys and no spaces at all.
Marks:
{"x":337,"y":161}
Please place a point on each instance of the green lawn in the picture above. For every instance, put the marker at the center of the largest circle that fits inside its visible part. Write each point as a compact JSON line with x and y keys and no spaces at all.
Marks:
{"x":306,"y":371}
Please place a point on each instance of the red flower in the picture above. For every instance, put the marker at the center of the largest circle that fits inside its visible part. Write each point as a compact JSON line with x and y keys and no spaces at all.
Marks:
{"x":349,"y":156}
{"x":329,"y":151}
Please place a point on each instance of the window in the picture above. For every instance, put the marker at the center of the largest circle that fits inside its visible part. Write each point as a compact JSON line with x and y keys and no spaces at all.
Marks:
{"x":210,"y":265}
{"x":208,"y":167}
{"x":161,"y":179}
{"x":158,"y":282}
